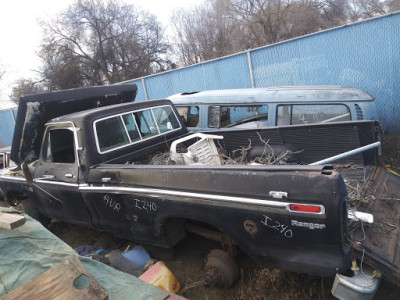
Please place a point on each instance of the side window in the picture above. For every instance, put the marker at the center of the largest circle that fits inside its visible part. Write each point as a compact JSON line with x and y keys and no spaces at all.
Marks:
{"x":127,"y":128}
{"x":59,"y":146}
{"x":284,"y":115}
{"x":310,"y":114}
{"x":189,"y":115}
{"x":165,"y":118}
{"x":147,"y":125}
{"x":214,"y":116}
{"x":360,"y":115}
{"x":230,"y":116}
{"x":131,"y":127}
{"x":111,"y":133}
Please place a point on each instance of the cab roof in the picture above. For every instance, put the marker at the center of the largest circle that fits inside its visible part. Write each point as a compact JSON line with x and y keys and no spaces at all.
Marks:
{"x":93,"y":114}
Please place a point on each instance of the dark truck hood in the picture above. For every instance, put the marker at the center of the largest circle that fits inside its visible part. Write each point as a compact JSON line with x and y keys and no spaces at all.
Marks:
{"x":34,"y":111}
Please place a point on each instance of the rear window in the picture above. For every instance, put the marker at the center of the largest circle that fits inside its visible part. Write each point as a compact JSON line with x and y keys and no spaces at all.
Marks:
{"x":294,"y":114}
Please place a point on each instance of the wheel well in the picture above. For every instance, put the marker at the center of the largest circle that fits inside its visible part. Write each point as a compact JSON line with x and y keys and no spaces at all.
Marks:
{"x":175,"y":230}
{"x":13,"y":198}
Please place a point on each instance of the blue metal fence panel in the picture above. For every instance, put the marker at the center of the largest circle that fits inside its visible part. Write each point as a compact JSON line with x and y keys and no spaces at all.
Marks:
{"x":7,"y":121}
{"x":226,"y":73}
{"x":364,"y":55}
{"x":140,"y":96}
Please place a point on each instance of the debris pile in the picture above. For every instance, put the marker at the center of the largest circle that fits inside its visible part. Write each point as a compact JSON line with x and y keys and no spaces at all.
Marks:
{"x":135,"y":261}
{"x":260,"y":154}
{"x":361,"y":196}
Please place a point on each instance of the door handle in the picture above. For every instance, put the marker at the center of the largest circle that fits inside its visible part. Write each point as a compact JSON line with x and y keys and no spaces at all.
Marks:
{"x":68,"y":175}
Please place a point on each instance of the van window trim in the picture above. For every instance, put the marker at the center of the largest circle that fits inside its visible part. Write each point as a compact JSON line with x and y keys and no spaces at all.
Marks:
{"x":303,"y":104}
{"x":242,"y":104}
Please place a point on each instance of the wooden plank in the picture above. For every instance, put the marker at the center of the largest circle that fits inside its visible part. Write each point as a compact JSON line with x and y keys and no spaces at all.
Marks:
{"x":61,"y":282}
{"x":11,"y":220}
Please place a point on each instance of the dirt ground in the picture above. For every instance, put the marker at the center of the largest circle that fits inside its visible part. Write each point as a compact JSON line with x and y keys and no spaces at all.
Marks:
{"x":188,"y":258}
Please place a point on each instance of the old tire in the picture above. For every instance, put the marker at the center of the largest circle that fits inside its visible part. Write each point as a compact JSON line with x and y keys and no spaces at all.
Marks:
{"x":30,"y":209}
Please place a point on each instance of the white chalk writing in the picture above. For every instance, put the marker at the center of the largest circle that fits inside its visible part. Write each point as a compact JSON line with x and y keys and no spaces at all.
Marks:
{"x":148,"y":206}
{"x":281,"y":228}
{"x":109,"y":202}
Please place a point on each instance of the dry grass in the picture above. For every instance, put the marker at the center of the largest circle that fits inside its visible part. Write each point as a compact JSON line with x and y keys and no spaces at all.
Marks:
{"x":277,"y":284}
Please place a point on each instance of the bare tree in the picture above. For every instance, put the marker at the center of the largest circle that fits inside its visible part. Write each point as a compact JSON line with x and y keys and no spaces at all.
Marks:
{"x":333,"y":12}
{"x":204,"y":32}
{"x":362,"y":9}
{"x":96,"y":42}
{"x":221,"y":27}
{"x":393,"y":5}
{"x":25,"y":87}
{"x":262,"y":21}
{"x":303,"y":17}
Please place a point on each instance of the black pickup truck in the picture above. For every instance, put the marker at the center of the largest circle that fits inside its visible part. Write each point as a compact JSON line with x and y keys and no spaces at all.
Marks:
{"x":93,"y":156}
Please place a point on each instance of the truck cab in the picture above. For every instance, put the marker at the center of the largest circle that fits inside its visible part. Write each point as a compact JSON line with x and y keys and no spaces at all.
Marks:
{"x":115,"y":134}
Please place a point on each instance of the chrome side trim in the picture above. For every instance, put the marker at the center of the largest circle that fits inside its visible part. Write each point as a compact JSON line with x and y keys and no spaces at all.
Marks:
{"x":240,"y":200}
{"x":12,"y":178}
{"x":56,"y":183}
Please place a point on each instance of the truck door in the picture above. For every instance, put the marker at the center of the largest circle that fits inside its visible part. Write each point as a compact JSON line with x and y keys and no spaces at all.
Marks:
{"x":56,"y":178}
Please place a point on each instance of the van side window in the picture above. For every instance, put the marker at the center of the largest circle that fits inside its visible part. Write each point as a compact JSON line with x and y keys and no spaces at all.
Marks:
{"x":189,"y":115}
{"x":293,"y":114}
{"x":231,"y":116}
{"x":359,"y":112}
{"x":59,"y":146}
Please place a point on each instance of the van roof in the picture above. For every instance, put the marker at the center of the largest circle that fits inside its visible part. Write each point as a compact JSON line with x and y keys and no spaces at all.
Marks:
{"x":279,"y":94}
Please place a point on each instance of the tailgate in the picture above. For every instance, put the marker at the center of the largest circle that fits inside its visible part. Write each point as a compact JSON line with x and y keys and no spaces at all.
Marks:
{"x":378,"y":244}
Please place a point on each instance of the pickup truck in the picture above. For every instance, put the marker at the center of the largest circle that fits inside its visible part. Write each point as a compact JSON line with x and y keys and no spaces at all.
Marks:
{"x":133,"y":169}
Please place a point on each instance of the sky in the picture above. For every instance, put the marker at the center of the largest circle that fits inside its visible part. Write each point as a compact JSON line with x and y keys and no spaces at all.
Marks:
{"x":20,"y":33}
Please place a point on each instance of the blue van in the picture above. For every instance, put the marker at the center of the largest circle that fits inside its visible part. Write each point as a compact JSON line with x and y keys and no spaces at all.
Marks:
{"x":273,"y":106}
